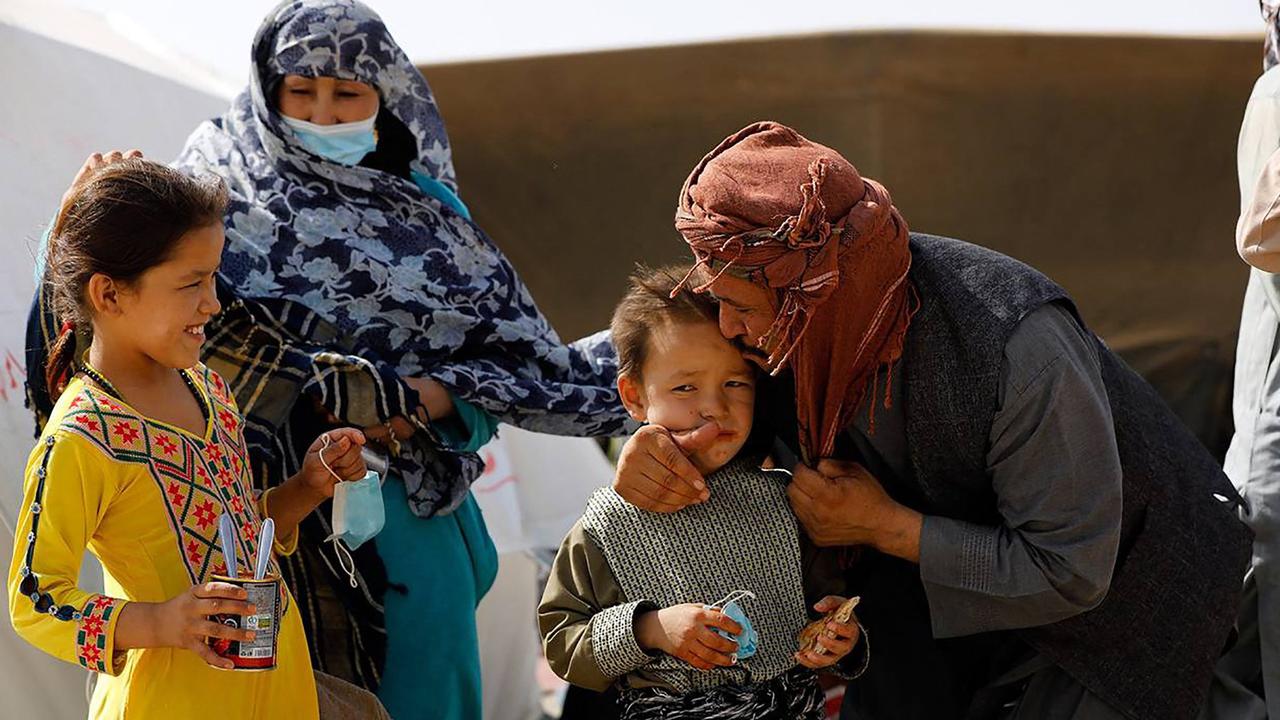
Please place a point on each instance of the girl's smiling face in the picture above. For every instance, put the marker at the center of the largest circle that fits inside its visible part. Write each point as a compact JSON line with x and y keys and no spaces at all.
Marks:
{"x":692,"y":376}
{"x":162,"y":314}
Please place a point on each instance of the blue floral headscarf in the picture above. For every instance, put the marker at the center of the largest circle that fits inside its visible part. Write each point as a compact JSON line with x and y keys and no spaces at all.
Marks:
{"x":403,"y":273}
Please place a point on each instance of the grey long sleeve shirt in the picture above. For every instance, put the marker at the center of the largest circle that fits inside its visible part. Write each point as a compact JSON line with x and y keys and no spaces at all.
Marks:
{"x":1055,"y":470}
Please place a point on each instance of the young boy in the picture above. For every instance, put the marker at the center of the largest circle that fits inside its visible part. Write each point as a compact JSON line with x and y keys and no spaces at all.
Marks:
{"x":645,"y":600}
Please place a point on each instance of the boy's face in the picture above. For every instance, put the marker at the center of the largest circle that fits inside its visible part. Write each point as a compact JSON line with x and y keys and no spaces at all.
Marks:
{"x":693,"y":376}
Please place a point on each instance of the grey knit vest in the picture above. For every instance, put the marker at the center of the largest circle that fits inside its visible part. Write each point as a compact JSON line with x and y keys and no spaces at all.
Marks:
{"x":1149,"y":648}
{"x":743,"y":538}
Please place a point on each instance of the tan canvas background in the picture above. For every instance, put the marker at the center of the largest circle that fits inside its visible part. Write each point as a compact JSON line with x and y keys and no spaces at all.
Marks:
{"x":1107,"y":162}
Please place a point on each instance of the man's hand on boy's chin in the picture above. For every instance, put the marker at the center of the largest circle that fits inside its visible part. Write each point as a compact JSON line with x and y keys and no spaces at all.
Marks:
{"x":654,"y":472}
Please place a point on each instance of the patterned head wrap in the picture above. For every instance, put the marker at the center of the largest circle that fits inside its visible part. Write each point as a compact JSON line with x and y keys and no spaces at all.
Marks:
{"x":796,"y":217}
{"x":401,"y":274}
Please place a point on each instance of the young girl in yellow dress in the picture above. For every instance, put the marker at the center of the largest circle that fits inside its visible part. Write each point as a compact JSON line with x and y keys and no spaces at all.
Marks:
{"x":143,"y":453}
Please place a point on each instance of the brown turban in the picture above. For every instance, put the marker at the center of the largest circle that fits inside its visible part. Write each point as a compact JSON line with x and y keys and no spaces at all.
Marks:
{"x":796,"y":217}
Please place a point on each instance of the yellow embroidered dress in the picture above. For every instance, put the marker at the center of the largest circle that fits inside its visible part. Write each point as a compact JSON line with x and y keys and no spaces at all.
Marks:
{"x":144,"y":497}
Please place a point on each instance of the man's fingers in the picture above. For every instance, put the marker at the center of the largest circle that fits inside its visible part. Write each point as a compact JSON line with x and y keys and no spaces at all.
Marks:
{"x":351,"y":435}
{"x":656,"y":501}
{"x":671,"y":488}
{"x":691,"y":441}
{"x":838,"y":468}
{"x":807,"y":480}
{"x":684,"y":478}
{"x":133,"y":154}
{"x":401,"y":428}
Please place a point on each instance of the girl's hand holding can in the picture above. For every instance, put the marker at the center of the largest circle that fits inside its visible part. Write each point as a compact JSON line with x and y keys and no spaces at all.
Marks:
{"x":183,"y":622}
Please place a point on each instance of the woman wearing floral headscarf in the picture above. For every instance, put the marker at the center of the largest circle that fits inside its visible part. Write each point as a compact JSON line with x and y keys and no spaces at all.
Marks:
{"x":358,"y":290}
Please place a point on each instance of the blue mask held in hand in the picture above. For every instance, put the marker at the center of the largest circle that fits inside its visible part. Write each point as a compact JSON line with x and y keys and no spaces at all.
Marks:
{"x":343,"y":143}
{"x":748,"y":640}
{"x":357,"y":514}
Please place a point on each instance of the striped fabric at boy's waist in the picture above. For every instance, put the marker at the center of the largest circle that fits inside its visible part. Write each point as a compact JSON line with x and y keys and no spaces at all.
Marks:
{"x":794,"y":695}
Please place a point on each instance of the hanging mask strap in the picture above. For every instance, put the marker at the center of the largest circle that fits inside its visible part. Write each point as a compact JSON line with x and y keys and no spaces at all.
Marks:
{"x":348,"y":564}
{"x":345,"y":560}
{"x":326,"y":441}
{"x":735,"y":596}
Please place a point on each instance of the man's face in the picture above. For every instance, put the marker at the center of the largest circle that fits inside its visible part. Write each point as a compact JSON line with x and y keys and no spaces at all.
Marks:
{"x":747,"y":311}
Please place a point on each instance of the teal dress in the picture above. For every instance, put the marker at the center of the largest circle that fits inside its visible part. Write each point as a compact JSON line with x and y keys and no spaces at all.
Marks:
{"x":438,"y":569}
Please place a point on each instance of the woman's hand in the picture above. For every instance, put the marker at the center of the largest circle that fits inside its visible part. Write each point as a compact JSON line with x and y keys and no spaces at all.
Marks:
{"x":93,"y":164}
{"x":183,"y":622}
{"x":837,"y":639}
{"x":434,"y":396}
{"x":685,"y":632}
{"x":395,"y":431}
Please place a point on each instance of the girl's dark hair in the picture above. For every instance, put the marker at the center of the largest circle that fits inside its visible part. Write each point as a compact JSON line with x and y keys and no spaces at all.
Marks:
{"x":121,"y":221}
{"x":649,"y":303}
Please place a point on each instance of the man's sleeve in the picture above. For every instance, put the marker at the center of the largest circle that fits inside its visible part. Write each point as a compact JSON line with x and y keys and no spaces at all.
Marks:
{"x":1055,"y":469}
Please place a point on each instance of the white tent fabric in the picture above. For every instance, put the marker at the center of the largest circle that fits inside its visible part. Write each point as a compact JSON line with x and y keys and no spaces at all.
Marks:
{"x":62,"y":102}
{"x":533,"y":489}
{"x":84,"y":88}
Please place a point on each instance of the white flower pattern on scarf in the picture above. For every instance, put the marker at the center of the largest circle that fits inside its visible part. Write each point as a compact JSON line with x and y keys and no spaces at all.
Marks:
{"x":422,"y":287}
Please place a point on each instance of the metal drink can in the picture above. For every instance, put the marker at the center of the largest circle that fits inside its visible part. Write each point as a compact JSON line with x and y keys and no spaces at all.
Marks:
{"x":260,"y":654}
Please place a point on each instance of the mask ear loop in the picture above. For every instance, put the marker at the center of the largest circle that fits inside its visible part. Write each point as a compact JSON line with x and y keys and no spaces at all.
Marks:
{"x":345,"y":561}
{"x":733,"y":597}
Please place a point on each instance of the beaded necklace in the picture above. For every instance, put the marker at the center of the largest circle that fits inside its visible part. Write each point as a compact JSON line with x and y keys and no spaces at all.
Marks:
{"x":101,"y":381}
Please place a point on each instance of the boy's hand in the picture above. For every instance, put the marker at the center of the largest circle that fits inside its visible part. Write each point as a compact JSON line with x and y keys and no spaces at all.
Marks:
{"x":342,"y":454}
{"x":684,"y":632}
{"x":836,"y":640}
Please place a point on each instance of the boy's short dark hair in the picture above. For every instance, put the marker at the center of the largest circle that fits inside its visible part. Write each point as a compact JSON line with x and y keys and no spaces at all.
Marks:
{"x":649,"y":303}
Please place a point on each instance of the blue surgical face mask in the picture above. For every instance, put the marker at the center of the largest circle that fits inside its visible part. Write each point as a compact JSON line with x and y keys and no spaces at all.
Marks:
{"x":357,"y":514}
{"x":748,"y":640}
{"x":345,"y":143}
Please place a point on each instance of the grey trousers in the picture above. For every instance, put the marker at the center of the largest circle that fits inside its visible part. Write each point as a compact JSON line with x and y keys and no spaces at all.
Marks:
{"x":1247,"y":679}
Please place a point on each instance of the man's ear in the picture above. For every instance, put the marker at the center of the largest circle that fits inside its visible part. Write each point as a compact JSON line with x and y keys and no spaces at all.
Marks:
{"x":629,"y":389}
